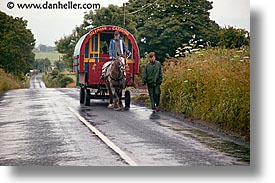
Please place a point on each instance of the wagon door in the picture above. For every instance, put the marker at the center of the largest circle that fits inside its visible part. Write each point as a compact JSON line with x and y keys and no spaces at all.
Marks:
{"x":92,"y":60}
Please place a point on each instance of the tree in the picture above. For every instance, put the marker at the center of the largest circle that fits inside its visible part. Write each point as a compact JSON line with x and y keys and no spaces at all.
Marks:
{"x":111,"y":15}
{"x":66,"y":46}
{"x":163,"y":25}
{"x":60,"y":65}
{"x":230,"y":37}
{"x":16,"y":45}
{"x":42,"y":64}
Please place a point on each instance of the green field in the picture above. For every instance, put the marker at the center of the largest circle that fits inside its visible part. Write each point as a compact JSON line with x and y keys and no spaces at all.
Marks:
{"x":52,"y":56}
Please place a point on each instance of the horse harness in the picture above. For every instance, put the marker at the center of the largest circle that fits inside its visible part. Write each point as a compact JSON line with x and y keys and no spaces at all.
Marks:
{"x":121,"y":66}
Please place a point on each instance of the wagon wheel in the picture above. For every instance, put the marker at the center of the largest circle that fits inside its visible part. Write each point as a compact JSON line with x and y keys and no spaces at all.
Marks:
{"x":82,"y":95}
{"x":87,"y":97}
{"x":127,"y":99}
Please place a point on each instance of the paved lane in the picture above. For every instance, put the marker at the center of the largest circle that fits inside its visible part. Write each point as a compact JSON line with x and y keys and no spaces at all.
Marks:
{"x":158,"y":139}
{"x":37,"y":127}
{"x":36,"y":82}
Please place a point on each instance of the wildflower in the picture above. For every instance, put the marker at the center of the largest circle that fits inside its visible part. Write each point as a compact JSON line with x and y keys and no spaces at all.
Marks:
{"x":195,"y":50}
{"x":187,"y":47}
{"x":185,"y":81}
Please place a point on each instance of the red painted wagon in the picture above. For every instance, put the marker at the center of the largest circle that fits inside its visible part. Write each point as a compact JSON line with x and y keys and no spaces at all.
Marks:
{"x":90,"y":54}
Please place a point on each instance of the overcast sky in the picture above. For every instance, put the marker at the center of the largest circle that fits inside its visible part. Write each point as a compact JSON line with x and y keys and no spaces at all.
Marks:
{"x":50,"y":25}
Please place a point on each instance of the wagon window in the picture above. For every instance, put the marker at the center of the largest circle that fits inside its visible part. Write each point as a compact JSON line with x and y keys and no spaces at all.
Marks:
{"x":105,"y":39}
{"x":95,"y":43}
{"x":86,"y":50}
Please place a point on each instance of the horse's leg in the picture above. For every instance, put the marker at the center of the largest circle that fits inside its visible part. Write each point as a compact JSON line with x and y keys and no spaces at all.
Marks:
{"x":114,"y":97}
{"x":111,"y":105}
{"x":120,"y":98}
{"x":117,"y":97}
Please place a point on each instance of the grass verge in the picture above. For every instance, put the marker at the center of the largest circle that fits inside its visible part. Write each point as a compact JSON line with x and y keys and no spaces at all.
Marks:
{"x":213,"y":86}
{"x":10,"y":82}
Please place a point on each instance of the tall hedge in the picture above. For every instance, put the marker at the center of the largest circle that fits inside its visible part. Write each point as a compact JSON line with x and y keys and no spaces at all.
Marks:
{"x":212,"y":85}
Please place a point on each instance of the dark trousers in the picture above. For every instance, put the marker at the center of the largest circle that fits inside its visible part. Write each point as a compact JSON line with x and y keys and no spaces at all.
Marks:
{"x":154,"y":93}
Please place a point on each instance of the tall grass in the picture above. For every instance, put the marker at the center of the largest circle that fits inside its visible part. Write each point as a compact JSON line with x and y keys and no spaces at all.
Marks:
{"x":9,"y":81}
{"x":212,"y":85}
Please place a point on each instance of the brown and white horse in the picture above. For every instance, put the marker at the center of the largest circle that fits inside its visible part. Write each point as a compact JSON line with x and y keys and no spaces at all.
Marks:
{"x":113,"y":74}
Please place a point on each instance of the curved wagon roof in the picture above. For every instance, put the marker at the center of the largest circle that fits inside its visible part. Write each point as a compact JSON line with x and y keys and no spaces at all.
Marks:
{"x":80,"y":46}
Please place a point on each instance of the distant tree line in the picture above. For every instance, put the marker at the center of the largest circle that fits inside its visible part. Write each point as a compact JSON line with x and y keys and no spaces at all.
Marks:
{"x":44,"y":65}
{"x":16,"y":45}
{"x":159,"y":25}
{"x":44,"y":48}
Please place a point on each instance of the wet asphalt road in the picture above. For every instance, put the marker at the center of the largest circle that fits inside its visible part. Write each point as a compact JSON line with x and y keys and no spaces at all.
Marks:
{"x":37,"y":128}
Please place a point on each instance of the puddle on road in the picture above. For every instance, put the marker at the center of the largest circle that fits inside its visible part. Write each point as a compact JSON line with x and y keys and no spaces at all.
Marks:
{"x":230,"y":148}
{"x":222,"y":143}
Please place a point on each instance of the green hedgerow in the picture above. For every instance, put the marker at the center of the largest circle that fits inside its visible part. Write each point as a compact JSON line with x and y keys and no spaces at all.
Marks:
{"x":212,"y":85}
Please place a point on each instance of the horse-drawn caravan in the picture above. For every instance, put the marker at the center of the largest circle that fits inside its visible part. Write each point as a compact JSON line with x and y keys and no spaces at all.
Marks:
{"x":90,"y":57}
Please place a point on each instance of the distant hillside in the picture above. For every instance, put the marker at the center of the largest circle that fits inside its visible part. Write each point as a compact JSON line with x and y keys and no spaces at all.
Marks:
{"x":52,"y":56}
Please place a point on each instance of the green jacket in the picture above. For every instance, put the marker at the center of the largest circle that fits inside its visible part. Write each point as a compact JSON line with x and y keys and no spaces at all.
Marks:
{"x":152,"y":75}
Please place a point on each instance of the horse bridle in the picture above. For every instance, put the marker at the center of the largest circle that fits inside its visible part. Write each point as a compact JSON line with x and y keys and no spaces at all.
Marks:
{"x":120,"y":67}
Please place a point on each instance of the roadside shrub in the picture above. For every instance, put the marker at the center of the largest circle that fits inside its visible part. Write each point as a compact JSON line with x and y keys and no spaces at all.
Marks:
{"x":211,"y":85}
{"x":57,"y":80}
{"x":9,"y":81}
{"x":66,"y":80}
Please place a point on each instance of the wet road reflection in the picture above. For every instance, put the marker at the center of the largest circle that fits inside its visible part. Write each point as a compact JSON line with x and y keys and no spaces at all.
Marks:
{"x":36,"y":128}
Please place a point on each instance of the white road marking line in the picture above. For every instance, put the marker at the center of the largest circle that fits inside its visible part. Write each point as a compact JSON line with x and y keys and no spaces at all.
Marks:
{"x":107,"y":141}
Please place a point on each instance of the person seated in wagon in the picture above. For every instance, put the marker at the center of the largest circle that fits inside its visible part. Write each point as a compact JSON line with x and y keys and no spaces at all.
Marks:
{"x":117,"y":48}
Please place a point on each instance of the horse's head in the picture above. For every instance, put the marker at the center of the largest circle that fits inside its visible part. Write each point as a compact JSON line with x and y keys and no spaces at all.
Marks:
{"x":117,"y":69}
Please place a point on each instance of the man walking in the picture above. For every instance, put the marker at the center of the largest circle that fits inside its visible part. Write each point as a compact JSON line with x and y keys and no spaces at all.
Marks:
{"x":152,"y":76}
